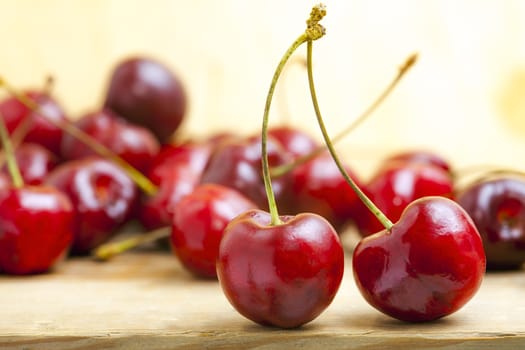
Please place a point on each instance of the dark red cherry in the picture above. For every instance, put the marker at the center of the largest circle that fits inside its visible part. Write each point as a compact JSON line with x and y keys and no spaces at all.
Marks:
{"x":148,"y":93}
{"x":428,"y":265}
{"x":497,"y":207}
{"x":36,"y":229}
{"x":237,"y":164}
{"x":199,"y":220}
{"x":318,"y":187}
{"x":132,"y":143}
{"x":103,"y":198}
{"x":281,"y":275}
{"x":397,"y":185}
{"x":42,"y":131}
{"x":297,"y":142}
{"x":34,"y":161}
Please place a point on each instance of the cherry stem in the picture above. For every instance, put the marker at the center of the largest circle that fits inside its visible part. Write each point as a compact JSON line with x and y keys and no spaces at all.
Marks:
{"x":140,"y":180}
{"x":369,"y":204}
{"x":313,"y":31}
{"x":403,"y":69}
{"x":109,"y":250}
{"x":14,"y":171}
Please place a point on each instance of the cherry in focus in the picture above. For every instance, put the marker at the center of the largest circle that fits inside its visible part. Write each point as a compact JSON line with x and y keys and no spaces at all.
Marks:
{"x":147,"y":93}
{"x":281,"y":275}
{"x":497,"y":207}
{"x":103,"y":198}
{"x":199,"y":220}
{"x":426,"y":266}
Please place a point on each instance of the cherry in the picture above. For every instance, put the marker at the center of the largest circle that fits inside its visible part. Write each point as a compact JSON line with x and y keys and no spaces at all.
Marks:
{"x":36,"y":222}
{"x":237,"y":164}
{"x":103,"y":198}
{"x":497,"y":207}
{"x":425,"y":266}
{"x":36,"y":229}
{"x":280,"y":270}
{"x":134,"y":144}
{"x":396,"y":185}
{"x":318,"y":187}
{"x":35,"y":162}
{"x":41,"y":130}
{"x":147,"y":93}
{"x":198,"y":223}
{"x":282,"y":275}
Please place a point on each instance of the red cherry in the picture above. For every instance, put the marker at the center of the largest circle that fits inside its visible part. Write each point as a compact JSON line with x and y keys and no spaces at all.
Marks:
{"x":192,"y":155}
{"x":132,"y":143}
{"x":42,"y":131}
{"x":396,"y":186}
{"x":428,"y":265}
{"x":318,"y":187}
{"x":34,"y":161}
{"x":281,"y":275}
{"x":36,"y":229}
{"x":103,"y":197}
{"x":147,"y":93}
{"x":199,"y":220}
{"x":237,"y":164}
{"x":497,"y":207}
{"x":297,"y":142}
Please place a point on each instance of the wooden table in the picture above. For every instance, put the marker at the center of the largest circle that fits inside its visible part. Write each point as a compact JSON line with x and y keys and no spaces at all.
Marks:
{"x":146,"y":300}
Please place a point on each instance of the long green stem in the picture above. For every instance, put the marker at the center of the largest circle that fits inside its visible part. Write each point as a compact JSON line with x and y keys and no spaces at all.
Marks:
{"x":403,"y":69}
{"x":272,"y":205}
{"x":14,"y":171}
{"x":142,"y":181}
{"x":369,"y":204}
{"x":313,"y":31}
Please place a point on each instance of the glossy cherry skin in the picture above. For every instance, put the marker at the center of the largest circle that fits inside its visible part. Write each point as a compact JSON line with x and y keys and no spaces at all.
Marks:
{"x":427,"y":266}
{"x":147,"y":93}
{"x":297,"y":142}
{"x":284,"y":275}
{"x":395,"y":186}
{"x":42,"y":131}
{"x":199,"y":220}
{"x":190,"y":155}
{"x":34,"y":162}
{"x":237,"y":164}
{"x":36,"y":229}
{"x":134,"y":144}
{"x":103,"y":197}
{"x":497,"y":207}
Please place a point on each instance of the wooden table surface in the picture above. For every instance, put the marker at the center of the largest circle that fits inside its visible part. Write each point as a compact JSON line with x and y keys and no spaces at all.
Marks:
{"x":145,"y":299}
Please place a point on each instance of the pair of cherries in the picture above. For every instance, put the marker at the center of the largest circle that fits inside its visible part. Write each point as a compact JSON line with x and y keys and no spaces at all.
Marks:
{"x":283,"y":271}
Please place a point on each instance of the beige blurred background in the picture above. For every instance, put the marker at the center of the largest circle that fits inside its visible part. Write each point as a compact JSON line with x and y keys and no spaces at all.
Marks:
{"x":465,"y":98}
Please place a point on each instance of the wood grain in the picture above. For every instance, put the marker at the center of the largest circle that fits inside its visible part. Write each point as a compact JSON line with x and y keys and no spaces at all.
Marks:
{"x":146,"y":300}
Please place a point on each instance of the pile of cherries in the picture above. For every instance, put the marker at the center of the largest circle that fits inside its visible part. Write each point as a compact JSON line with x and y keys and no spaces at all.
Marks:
{"x":212,"y":194}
